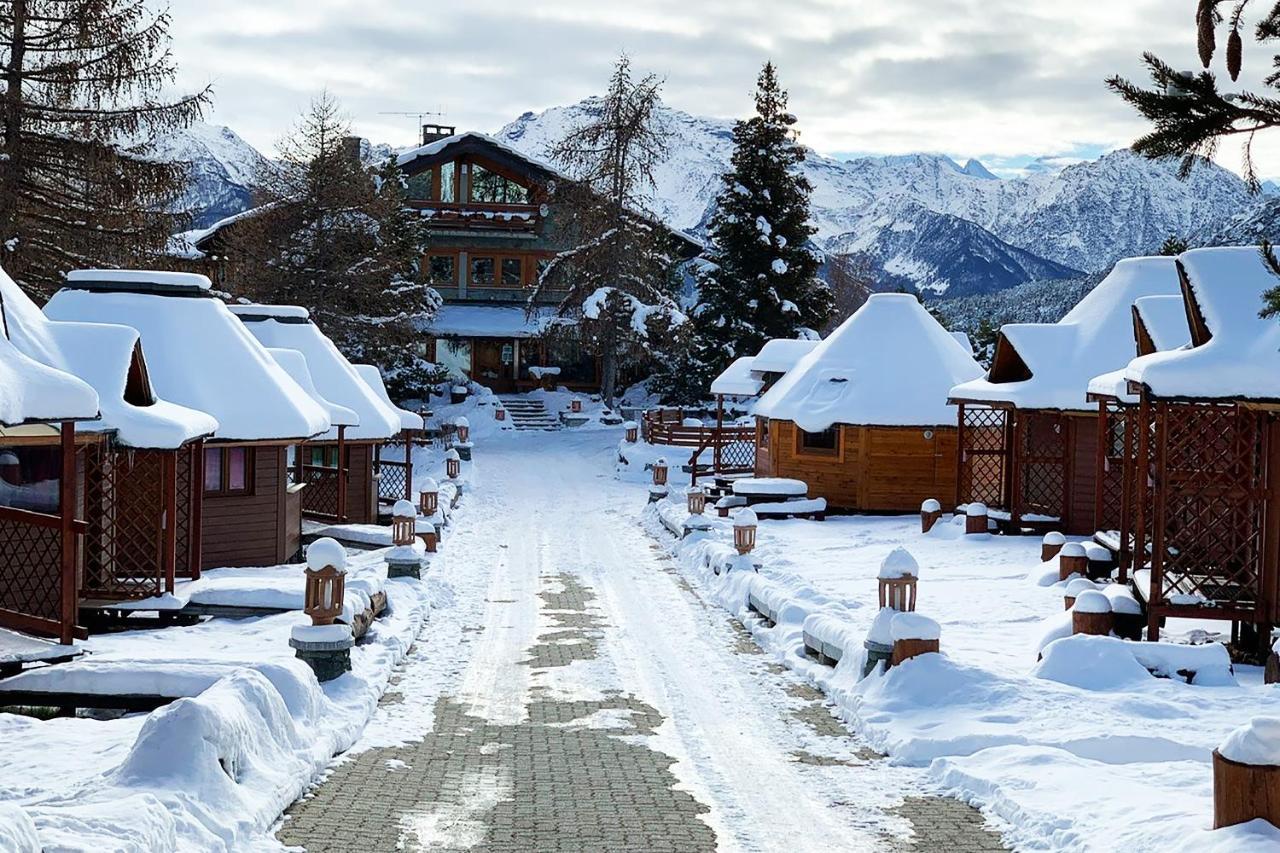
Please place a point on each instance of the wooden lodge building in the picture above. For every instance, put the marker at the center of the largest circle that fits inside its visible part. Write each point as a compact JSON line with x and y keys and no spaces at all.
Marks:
{"x":862,"y":418}
{"x":1028,"y":434}
{"x":1206,"y":517}
{"x":493,"y":222}
{"x":199,"y":355}
{"x":338,"y":467}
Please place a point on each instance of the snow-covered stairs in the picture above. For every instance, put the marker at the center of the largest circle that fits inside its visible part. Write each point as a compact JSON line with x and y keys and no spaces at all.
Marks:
{"x":527,"y":414}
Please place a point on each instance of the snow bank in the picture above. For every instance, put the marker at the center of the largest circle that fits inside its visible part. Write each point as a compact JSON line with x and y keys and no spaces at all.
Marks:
{"x":1256,"y":742}
{"x":898,"y":564}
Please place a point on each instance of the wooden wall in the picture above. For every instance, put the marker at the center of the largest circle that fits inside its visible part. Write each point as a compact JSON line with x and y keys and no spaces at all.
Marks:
{"x":253,"y":529}
{"x":876,"y":469}
{"x":1082,"y":475}
{"x":362,"y":490}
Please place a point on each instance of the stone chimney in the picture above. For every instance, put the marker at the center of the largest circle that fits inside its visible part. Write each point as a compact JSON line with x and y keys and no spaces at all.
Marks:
{"x":353,"y":148}
{"x":435,"y":132}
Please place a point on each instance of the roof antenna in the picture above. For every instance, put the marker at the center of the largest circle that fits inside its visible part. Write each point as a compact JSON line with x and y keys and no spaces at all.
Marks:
{"x":420,"y":126}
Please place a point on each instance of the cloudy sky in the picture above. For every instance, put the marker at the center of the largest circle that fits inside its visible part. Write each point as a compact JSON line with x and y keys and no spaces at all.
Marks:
{"x":1002,"y":80}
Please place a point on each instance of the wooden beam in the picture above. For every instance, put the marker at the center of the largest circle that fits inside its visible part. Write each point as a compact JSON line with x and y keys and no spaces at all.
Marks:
{"x":69,"y":581}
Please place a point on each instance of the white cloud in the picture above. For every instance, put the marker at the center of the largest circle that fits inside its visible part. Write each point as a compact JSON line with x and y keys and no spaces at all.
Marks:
{"x":972,"y":77}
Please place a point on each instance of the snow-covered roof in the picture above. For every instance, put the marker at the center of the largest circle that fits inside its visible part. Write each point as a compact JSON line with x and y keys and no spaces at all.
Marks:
{"x":102,"y":355}
{"x":962,"y":338}
{"x":890,"y":364}
{"x":1165,"y":320}
{"x":488,"y":321}
{"x":1060,"y":359}
{"x":781,"y":354}
{"x":737,"y":379}
{"x":334,"y":376}
{"x":31,"y":391}
{"x":373,"y":378}
{"x":1237,"y":353}
{"x":440,"y":145}
{"x":295,"y":364}
{"x":199,"y":355}
{"x":142,"y":279}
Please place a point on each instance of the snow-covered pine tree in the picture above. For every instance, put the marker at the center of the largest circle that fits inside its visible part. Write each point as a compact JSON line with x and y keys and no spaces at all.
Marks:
{"x":83,"y":96}
{"x":761,"y":282}
{"x":335,"y":236}
{"x":617,"y":276}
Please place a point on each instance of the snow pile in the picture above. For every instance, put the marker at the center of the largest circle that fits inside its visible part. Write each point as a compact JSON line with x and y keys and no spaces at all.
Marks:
{"x":1257,"y":742}
{"x":1096,"y":336}
{"x":324,"y":553}
{"x":913,"y":626}
{"x":890,"y":364}
{"x":898,"y":564}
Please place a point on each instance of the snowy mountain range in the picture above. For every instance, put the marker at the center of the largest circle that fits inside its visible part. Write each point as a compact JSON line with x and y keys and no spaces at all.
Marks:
{"x":918,"y":220}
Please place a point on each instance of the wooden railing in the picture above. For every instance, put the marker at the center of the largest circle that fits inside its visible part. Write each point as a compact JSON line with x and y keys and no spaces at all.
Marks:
{"x":732,"y":447}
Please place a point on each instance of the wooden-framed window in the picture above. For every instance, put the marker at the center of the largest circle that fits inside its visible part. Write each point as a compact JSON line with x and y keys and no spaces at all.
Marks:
{"x":513,"y":272}
{"x":418,"y":187}
{"x":324,"y":455}
{"x":825,"y":443}
{"x":489,"y":187}
{"x":762,"y":432}
{"x":483,"y":272}
{"x":442,"y":270}
{"x":448,"y":182}
{"x":228,"y":470}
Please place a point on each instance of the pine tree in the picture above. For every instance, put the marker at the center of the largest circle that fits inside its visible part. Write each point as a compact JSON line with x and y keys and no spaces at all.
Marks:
{"x":336,"y":237}
{"x":761,"y":282}
{"x":617,"y":276}
{"x":83,"y":97}
{"x":1174,"y":245}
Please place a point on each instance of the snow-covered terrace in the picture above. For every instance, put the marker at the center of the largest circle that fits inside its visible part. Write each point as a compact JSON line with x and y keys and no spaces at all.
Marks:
{"x":1049,"y":365}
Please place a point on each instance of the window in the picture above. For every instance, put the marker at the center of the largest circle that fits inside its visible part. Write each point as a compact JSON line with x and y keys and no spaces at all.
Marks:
{"x":825,"y":442}
{"x":325,"y":456}
{"x":442,"y":270}
{"x":448,"y":183}
{"x":418,"y":187}
{"x":228,"y":470}
{"x":31,"y":478}
{"x":512,"y":272}
{"x":762,"y":432}
{"x":455,"y":357}
{"x":491,"y":188}
{"x":482,"y":272}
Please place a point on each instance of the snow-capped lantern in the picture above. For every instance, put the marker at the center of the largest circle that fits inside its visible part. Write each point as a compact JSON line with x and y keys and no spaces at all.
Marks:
{"x":913,"y":635}
{"x":1246,"y":774}
{"x":660,"y":472}
{"x":326,"y":575}
{"x":1091,"y":614}
{"x":1050,"y":545}
{"x":499,"y":414}
{"x":930,"y":512}
{"x":429,"y":497}
{"x":632,"y":431}
{"x":975,"y":519}
{"x":697,"y":500}
{"x":575,"y":405}
{"x":744,"y":530}
{"x":452,"y":464}
{"x":464,"y":429}
{"x":1072,"y":560}
{"x":403,"y":518}
{"x":897,"y":580}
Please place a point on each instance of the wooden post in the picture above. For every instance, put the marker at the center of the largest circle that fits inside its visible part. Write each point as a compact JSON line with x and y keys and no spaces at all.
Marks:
{"x":1158,"y":506}
{"x":169,"y":521}
{"x":342,"y":473}
{"x":976,"y":519}
{"x":1142,"y":470}
{"x":408,"y":467}
{"x":719,"y":434}
{"x":1072,"y":560}
{"x":1051,"y":545}
{"x":960,"y":456}
{"x":70,"y":589}
{"x":1125,"y":557}
{"x":195,"y":536}
{"x":930,"y":512}
{"x":1015,"y":466}
{"x":1100,"y":465}
{"x":1244,"y":792}
{"x":907,"y":649}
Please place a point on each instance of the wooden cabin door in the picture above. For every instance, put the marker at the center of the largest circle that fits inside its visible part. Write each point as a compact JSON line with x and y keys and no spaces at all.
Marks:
{"x":493,"y":365}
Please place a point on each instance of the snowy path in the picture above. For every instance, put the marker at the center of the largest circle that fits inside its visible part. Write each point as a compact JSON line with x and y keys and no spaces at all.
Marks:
{"x":578,"y":693}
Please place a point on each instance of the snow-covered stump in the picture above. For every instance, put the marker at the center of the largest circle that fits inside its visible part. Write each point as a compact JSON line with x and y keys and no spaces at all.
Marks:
{"x":324,"y":645}
{"x":1072,"y":560}
{"x":404,"y":560}
{"x":1075,"y":586}
{"x":1091,"y":614}
{"x":632,"y":432}
{"x":913,"y":635}
{"x":744,"y":531}
{"x":1050,"y":545}
{"x":930,"y":512}
{"x":975,"y":519}
{"x":1246,"y":774}
{"x":1127,"y":618}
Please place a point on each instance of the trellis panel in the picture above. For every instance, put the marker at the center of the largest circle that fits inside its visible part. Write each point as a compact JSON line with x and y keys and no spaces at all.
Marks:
{"x":984,"y":456}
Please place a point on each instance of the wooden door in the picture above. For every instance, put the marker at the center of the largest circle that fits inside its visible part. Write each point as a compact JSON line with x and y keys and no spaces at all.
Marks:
{"x":493,"y":365}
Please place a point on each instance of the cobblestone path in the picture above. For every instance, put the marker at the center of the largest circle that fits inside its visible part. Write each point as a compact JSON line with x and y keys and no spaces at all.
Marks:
{"x":603,"y":706}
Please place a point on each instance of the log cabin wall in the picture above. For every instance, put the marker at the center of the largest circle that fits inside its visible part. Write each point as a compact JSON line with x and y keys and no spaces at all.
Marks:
{"x":253,"y":529}
{"x":874,"y":469}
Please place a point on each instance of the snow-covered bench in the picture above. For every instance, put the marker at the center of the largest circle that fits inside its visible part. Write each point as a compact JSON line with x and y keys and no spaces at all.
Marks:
{"x":815,"y":508}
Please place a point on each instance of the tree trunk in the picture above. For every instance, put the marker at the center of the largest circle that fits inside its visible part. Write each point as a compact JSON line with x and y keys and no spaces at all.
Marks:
{"x":609,"y":367}
{"x":13,"y":164}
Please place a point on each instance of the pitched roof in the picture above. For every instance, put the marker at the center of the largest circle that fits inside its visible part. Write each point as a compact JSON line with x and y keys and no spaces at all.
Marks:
{"x":736,"y":380}
{"x":109,"y":358}
{"x":198,"y":354}
{"x":1050,"y":365}
{"x":31,"y":391}
{"x":373,"y":378}
{"x":1160,"y":324}
{"x":1235,"y":354}
{"x":295,"y":364}
{"x":781,"y":354}
{"x":333,"y":375}
{"x":890,"y":364}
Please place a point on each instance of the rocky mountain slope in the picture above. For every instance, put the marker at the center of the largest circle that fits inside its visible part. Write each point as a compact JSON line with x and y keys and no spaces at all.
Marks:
{"x":224,"y":170}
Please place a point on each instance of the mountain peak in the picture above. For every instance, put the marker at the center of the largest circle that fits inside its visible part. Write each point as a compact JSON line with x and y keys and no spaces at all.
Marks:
{"x":975,"y":168}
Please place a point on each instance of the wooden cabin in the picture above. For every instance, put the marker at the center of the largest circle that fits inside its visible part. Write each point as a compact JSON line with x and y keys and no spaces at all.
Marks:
{"x":40,"y":528}
{"x":137,"y":463}
{"x":1028,"y":440}
{"x":1207,"y":513}
{"x":339,"y":466}
{"x":1159,"y":325}
{"x":201,"y":357}
{"x":863,"y":417}
{"x":393,"y":463}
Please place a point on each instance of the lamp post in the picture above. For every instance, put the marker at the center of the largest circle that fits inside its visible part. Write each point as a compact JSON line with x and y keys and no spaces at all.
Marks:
{"x":429,"y":497}
{"x":324,"y":644}
{"x":633,"y":431}
{"x":897,"y":579}
{"x":697,"y":500}
{"x":744,"y":531}
{"x":452,"y":464}
{"x":404,"y":560}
